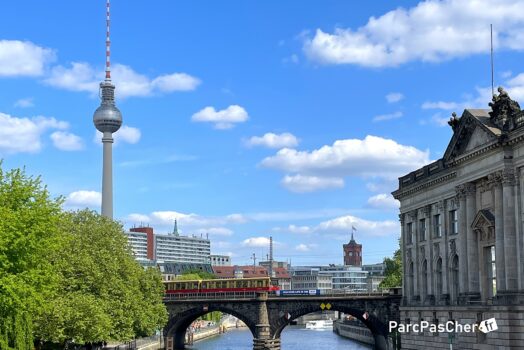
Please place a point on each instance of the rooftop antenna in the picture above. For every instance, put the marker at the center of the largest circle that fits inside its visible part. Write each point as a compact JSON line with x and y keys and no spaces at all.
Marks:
{"x":108,"y":43}
{"x":271,"y":256}
{"x":491,"y":41}
{"x":254,"y":257}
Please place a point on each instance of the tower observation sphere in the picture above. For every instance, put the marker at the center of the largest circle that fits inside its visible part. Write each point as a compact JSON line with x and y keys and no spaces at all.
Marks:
{"x":107,"y":117}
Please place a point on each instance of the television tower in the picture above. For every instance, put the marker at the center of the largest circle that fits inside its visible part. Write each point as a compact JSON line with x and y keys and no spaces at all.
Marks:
{"x":107,"y":120}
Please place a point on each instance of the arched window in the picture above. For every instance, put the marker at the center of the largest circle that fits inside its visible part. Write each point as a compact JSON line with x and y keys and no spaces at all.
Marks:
{"x":438,"y":284}
{"x":455,"y":278}
{"x":425,"y":278}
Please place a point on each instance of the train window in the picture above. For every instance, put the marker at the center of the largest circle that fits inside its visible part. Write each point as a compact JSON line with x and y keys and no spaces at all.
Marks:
{"x":259,"y":283}
{"x":204,"y":285}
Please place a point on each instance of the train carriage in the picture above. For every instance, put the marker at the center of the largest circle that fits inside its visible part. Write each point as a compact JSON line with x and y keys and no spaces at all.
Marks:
{"x":232,"y":285}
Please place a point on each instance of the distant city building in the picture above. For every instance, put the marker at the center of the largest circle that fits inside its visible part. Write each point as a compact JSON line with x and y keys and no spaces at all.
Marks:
{"x":220,"y":260}
{"x":373,"y":283}
{"x":345,"y":277}
{"x":176,"y":248}
{"x":276,"y":264}
{"x":146,"y":245}
{"x":374,"y":269}
{"x":352,"y":253}
{"x":138,"y":244}
{"x":308,"y":277}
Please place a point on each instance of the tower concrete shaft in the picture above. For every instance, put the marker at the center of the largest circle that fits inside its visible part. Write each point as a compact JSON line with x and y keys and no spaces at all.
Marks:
{"x":107,"y":175}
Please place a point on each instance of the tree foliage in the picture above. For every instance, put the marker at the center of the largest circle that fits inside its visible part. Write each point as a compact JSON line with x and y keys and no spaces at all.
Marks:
{"x":68,"y":276}
{"x":28,"y":234}
{"x":195,"y":274}
{"x":105,"y":294}
{"x":393,"y":270}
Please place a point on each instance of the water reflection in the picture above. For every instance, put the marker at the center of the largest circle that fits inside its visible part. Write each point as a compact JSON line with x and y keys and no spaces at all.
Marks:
{"x":293,"y":338}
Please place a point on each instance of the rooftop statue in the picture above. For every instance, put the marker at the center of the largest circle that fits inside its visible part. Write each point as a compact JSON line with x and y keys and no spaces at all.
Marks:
{"x":504,"y":111}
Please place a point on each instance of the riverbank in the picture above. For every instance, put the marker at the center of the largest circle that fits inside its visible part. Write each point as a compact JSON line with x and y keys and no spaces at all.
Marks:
{"x":204,"y":333}
{"x":354,"y":330}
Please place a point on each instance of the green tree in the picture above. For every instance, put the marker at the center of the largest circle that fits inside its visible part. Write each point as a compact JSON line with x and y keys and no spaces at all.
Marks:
{"x":393,"y":270}
{"x":104,"y":293}
{"x":196,"y":274}
{"x":29,"y":235}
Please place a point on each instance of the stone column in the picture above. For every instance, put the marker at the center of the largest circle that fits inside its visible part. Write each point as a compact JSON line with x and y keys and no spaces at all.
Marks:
{"x":462,"y":240}
{"x":510,"y":236}
{"x":472,"y":243}
{"x":403,"y":242}
{"x":415,"y":257}
{"x":495,"y":181}
{"x":444,"y":249}
{"x":263,"y":339}
{"x":430,"y":294}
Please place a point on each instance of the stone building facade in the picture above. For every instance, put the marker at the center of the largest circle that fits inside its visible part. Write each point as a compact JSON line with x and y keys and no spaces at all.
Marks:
{"x":462,"y":235}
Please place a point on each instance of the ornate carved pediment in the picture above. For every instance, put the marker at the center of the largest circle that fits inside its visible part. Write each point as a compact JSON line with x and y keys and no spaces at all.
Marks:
{"x":470,"y":132}
{"x":484,"y":225}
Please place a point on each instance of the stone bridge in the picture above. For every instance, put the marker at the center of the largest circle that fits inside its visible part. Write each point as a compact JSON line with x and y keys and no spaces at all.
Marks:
{"x":266,"y":317}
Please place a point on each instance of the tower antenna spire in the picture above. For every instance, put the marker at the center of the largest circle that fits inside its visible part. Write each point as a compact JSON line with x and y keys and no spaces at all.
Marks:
{"x":108,"y":41}
{"x":491,"y":42}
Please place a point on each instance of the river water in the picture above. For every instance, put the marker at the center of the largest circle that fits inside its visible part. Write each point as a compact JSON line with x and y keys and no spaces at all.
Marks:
{"x":293,"y":338}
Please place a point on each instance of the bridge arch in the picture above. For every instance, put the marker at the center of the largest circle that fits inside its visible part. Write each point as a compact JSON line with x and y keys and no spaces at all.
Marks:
{"x":378,"y":328}
{"x":179,"y":323}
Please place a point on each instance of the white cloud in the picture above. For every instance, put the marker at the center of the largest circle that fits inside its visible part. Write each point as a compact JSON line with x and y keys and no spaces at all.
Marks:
{"x":127,"y":134}
{"x":302,"y":247}
{"x":371,"y":157}
{"x":23,"y":58}
{"x":136,"y":218}
{"x":384,"y":117}
{"x":215,"y":231}
{"x":440,"y":105}
{"x":83,"y":198}
{"x":82,"y":76}
{"x":271,"y":140}
{"x":383,"y":201}
{"x":166,"y":218}
{"x":175,"y":82}
{"x":431,"y":31}
{"x":67,"y":141}
{"x":223,"y":119}
{"x":303,"y":183}
{"x":24,"y":102}
{"x":23,"y":134}
{"x":344,"y":224}
{"x":394,"y":97}
{"x":256,"y":242}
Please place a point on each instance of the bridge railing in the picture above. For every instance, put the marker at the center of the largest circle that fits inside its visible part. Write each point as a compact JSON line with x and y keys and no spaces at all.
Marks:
{"x":252,"y":295}
{"x":208,"y":296}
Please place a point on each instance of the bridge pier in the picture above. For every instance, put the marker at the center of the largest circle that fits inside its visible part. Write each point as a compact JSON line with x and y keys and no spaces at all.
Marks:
{"x":263,"y":340}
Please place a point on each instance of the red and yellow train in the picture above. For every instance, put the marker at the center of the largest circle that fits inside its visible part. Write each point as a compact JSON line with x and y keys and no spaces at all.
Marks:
{"x":262,"y":284}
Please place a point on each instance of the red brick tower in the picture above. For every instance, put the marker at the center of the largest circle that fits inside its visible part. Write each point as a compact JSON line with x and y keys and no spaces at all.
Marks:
{"x":353,"y":252}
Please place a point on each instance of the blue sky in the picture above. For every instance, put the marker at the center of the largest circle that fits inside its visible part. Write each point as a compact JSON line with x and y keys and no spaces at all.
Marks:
{"x":245,"y":119}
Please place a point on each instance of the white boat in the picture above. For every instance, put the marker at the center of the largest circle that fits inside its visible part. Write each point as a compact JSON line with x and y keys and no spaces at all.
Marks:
{"x":319,"y":324}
